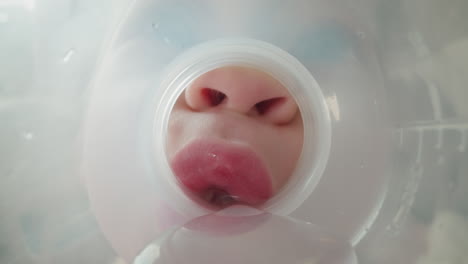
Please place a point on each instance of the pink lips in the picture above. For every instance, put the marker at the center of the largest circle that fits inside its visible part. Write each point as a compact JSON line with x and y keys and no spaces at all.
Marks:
{"x":222,"y":174}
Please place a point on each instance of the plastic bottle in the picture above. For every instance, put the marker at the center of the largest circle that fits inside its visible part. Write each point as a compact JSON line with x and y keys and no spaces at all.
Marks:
{"x":317,"y":49}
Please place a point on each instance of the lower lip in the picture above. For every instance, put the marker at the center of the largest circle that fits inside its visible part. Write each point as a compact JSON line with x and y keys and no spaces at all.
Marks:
{"x":204,"y":165}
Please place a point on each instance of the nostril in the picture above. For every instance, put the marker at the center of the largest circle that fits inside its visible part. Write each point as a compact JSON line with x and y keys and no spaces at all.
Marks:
{"x":266,"y":106}
{"x":213,"y":97}
{"x":245,"y":91}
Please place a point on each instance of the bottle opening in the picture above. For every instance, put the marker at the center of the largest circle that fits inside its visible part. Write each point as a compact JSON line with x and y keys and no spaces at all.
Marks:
{"x":234,"y":137}
{"x":240,"y":122}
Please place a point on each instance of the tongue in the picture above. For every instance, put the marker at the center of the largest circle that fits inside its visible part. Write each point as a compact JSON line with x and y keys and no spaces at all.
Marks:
{"x":222,"y":174}
{"x":219,"y":197}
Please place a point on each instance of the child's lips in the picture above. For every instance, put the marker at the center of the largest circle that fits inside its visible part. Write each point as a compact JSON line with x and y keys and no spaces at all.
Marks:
{"x":222,"y":174}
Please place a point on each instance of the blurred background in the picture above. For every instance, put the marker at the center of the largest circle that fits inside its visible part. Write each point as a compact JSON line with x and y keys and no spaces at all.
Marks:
{"x":48,"y":54}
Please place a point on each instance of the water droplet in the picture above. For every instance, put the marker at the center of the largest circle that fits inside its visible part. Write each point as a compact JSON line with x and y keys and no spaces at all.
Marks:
{"x":462,"y":146}
{"x":28,"y":135}
{"x":167,"y":41}
{"x":334,"y":107}
{"x":440,"y":160}
{"x":362,"y":165}
{"x":68,"y":55}
{"x":401,"y":137}
{"x":361,"y":34}
{"x":4,"y":18}
{"x":417,"y":169}
{"x":155,"y":26}
{"x":440,"y":139}
{"x":418,"y":43}
{"x":29,"y":4}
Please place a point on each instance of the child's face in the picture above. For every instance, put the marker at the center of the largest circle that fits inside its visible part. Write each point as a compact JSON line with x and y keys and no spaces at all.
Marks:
{"x":234,"y":136}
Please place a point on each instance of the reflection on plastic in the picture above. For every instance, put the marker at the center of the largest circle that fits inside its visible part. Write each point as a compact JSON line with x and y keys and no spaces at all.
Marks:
{"x":241,"y":234}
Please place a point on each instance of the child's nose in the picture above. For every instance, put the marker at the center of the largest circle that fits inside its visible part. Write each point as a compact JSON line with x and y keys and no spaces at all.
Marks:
{"x":242,"y":90}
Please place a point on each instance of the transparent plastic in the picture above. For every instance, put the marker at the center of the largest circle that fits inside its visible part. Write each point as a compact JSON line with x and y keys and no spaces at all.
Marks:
{"x":245,"y":235}
{"x":320,"y":43}
{"x":86,"y":88}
